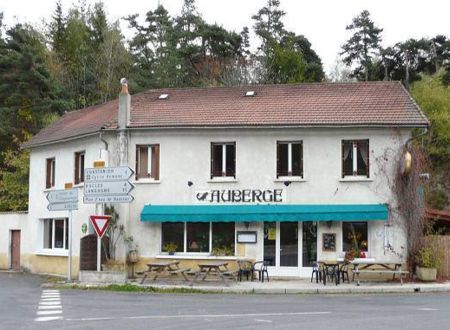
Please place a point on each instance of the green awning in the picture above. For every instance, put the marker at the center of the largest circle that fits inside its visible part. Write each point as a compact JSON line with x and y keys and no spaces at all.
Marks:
{"x":273,"y":212}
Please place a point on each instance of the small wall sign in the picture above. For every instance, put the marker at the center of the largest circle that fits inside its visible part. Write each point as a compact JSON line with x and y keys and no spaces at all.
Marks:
{"x":249,"y":237}
{"x":240,"y":196}
{"x":329,"y":242}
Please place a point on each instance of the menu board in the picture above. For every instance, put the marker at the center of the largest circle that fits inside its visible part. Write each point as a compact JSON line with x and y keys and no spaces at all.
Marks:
{"x":329,"y":242}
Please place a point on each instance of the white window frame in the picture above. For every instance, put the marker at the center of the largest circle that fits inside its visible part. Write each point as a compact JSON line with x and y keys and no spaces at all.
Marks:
{"x":224,"y":157}
{"x":65,"y":228}
{"x":355,"y":159}
{"x":289,"y":144}
{"x":81,"y":154}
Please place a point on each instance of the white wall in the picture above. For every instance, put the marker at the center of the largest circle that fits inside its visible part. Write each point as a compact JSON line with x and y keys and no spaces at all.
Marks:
{"x":185,"y":156}
{"x":10,"y":221}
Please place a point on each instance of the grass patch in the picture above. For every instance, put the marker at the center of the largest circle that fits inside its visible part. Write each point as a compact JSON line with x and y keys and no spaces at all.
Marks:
{"x":134,"y":288}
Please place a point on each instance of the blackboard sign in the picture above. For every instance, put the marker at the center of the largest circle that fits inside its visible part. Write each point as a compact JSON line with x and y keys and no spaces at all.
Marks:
{"x":329,"y":242}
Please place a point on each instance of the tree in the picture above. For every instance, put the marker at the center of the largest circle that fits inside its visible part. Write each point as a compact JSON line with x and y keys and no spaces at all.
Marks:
{"x":283,"y":56}
{"x":268,"y":23}
{"x":434,"y":99}
{"x":14,"y":180}
{"x":285,"y":63}
{"x":364,"y":44}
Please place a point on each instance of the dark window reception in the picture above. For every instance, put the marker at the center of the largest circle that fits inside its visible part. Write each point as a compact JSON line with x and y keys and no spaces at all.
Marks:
{"x":355,"y":157}
{"x":289,"y":159}
{"x":223,"y":159}
{"x":354,"y":236}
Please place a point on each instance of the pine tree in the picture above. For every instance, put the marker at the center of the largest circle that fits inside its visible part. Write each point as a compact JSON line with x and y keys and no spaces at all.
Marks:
{"x":364,"y":44}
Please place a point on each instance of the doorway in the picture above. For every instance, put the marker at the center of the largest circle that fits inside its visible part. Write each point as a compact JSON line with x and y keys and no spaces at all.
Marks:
{"x":15,"y":250}
{"x":290,"y":248}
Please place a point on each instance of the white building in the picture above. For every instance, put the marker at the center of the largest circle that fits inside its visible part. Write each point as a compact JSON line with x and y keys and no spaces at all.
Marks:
{"x":303,"y":170}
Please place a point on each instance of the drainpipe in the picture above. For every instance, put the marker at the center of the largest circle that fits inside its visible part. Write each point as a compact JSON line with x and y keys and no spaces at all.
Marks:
{"x":425,"y":131}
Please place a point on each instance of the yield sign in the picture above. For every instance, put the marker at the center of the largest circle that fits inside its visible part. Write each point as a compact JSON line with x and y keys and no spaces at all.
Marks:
{"x":100,"y":223}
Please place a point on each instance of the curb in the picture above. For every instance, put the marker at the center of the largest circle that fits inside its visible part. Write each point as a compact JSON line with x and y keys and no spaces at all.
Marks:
{"x":371,"y":289}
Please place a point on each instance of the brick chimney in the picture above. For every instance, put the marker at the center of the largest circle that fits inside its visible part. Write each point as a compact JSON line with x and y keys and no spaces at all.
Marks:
{"x":124,"y":105}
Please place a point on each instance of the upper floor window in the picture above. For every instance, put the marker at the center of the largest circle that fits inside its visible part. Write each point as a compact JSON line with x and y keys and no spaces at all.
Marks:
{"x":50,"y":165}
{"x":223,"y":159}
{"x":56,"y":234}
{"x":147,"y":161}
{"x":289,"y":159}
{"x":79,"y":167}
{"x":355,"y":157}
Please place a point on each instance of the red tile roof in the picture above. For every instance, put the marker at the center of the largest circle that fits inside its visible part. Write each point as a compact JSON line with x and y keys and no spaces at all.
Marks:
{"x":371,"y":104}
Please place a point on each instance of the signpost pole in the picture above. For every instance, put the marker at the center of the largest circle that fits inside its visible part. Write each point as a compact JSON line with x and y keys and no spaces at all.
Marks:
{"x":99,"y":253}
{"x":69,"y":273}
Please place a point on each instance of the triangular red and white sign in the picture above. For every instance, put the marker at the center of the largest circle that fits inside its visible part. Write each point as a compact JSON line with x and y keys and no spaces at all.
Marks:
{"x":100,"y":223}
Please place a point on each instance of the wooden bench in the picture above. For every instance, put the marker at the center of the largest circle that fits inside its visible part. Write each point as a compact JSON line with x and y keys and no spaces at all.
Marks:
{"x":182,"y":271}
{"x":380,"y":271}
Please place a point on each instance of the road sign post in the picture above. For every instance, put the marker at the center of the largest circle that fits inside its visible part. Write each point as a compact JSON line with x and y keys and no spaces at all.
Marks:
{"x":106,"y":185}
{"x":100,"y":224}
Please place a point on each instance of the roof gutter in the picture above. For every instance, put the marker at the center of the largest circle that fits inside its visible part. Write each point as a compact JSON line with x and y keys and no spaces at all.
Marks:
{"x":408,"y":142}
{"x":102,"y":139}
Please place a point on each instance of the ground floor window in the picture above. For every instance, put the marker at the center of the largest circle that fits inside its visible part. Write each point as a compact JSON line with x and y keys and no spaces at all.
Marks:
{"x":217,"y":238}
{"x":354,"y":236}
{"x":56,"y":234}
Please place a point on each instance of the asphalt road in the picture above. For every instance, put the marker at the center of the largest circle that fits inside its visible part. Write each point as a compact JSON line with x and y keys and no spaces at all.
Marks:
{"x":21,"y":295}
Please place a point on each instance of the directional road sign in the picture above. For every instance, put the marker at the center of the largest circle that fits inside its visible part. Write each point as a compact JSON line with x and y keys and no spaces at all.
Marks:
{"x":63,"y":195}
{"x":100,"y":223}
{"x":108,"y":199}
{"x":63,"y":200}
{"x":63,"y":206}
{"x":119,"y":173}
{"x":105,"y":188}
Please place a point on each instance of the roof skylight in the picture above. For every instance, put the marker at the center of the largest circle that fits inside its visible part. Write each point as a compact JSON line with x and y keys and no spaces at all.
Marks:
{"x":163,"y":96}
{"x":250,"y":93}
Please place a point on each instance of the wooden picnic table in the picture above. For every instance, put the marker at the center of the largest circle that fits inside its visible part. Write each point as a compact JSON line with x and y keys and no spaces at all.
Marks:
{"x":373,"y":266}
{"x":213,"y":268}
{"x":165,"y":267}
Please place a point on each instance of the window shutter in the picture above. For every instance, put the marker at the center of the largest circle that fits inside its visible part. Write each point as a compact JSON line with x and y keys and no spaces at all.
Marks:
{"x":136,"y":172}
{"x":301,"y":159}
{"x":234,"y":160}
{"x":82,"y":156}
{"x":278,"y":160}
{"x":48,"y":173}
{"x":77,"y":168}
{"x":212,"y":161}
{"x":368,"y":159}
{"x":155,"y":162}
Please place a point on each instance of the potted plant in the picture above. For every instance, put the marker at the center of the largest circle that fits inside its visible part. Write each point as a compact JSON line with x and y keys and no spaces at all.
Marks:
{"x":222,"y":251}
{"x":170,"y":247}
{"x":427,"y":259}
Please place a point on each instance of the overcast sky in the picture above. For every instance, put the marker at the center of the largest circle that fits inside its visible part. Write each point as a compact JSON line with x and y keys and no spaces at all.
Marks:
{"x":321,"y":21}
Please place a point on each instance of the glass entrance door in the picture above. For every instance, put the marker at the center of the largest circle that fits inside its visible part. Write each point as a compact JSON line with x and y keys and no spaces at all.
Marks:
{"x":290,"y":248}
{"x":288,"y":244}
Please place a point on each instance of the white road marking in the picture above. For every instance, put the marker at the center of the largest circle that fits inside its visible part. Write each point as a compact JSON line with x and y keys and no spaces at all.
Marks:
{"x":49,"y":312}
{"x":427,"y":309}
{"x":47,"y":318}
{"x":260,"y":320}
{"x":49,"y":308}
{"x":48,"y":303}
{"x":191,"y":316}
